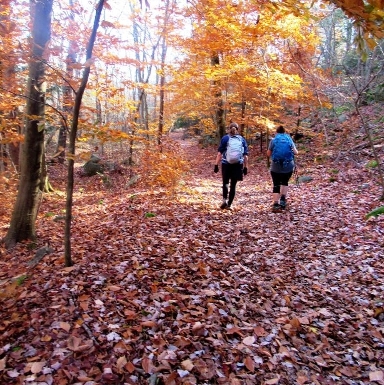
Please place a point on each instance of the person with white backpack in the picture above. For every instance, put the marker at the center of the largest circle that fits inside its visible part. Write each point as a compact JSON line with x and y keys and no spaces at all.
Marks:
{"x":233,"y":154}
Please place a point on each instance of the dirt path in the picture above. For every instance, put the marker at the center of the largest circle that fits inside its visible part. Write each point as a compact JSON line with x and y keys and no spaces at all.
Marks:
{"x":198,"y":295}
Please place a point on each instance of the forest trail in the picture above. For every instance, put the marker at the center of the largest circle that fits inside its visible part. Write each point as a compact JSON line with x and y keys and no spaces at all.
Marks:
{"x":197,"y":295}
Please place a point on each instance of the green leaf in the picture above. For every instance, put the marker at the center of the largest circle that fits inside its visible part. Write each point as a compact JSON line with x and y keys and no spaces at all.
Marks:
{"x":372,"y":164}
{"x":40,"y":126}
{"x":149,"y":215}
{"x":20,"y":280}
{"x":375,"y":212}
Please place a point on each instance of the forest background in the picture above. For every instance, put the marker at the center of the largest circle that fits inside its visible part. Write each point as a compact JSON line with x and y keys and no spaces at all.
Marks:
{"x":94,"y":97}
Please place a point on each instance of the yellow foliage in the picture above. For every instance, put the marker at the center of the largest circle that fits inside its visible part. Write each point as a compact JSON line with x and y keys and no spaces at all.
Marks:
{"x":163,"y":166}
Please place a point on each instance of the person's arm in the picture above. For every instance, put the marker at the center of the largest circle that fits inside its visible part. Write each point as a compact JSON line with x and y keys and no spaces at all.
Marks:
{"x":245,"y":145}
{"x":218,"y":158}
{"x":269,"y":151}
{"x":294,"y":149}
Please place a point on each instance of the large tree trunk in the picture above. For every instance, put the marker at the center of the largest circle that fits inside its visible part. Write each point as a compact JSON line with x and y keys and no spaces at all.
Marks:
{"x":22,"y":226}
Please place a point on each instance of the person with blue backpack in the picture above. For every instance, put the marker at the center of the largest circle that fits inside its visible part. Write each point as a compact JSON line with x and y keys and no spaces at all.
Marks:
{"x":282,"y":151}
{"x":233,"y":154}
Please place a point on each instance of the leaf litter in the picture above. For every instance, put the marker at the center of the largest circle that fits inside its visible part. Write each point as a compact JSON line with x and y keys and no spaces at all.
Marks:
{"x":197,"y":295}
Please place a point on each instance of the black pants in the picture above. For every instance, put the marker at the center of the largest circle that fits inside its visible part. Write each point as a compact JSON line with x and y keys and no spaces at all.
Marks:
{"x":280,"y":179}
{"x":231,"y":173}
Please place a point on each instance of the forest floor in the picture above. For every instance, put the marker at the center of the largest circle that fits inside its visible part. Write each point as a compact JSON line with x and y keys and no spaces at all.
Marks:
{"x":173,"y":290}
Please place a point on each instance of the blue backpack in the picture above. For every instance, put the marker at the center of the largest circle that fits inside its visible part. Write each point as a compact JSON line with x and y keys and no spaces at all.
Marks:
{"x":282,"y":149}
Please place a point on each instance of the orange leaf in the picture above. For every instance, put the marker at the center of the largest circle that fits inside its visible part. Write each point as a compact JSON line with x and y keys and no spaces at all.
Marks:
{"x":130,"y":367}
{"x":149,"y":324}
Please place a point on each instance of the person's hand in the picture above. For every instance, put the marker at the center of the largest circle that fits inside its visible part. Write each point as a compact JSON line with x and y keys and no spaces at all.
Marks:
{"x":216,"y":169}
{"x":245,"y":170}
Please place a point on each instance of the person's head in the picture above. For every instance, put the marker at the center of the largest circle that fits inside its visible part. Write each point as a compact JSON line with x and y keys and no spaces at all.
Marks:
{"x":232,"y":129}
{"x":280,"y":130}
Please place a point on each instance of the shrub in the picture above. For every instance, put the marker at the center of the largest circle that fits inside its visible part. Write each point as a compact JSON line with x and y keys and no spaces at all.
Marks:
{"x":163,"y":166}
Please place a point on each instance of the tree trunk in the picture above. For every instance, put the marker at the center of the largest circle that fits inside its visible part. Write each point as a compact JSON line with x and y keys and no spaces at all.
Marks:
{"x":22,"y":226}
{"x":219,"y":112}
{"x":67,"y":95}
{"x":73,"y":135}
{"x":162,"y":75}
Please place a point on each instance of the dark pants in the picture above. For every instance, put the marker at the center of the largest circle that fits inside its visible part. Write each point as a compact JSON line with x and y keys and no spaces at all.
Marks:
{"x":231,"y":173}
{"x":280,"y":179}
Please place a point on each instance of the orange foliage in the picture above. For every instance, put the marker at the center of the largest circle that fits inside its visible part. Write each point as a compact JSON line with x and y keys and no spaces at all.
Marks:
{"x":262,"y":49}
{"x":164,"y":166}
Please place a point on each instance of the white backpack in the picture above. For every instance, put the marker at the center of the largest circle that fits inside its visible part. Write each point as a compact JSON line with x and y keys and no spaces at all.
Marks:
{"x":234,"y":149}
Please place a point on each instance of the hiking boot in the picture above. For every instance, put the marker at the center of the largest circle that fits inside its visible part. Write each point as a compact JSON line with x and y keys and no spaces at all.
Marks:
{"x":283,"y":204}
{"x":276,"y":207}
{"x":224,"y":205}
{"x":228,"y":207}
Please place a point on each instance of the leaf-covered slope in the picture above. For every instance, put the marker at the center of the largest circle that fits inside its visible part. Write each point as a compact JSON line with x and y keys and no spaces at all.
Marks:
{"x":196,"y":295}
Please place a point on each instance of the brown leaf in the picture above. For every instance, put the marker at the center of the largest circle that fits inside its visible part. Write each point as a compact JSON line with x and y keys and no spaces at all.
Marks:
{"x":349,"y":371}
{"x":259,"y":331}
{"x":234,"y":330}
{"x":74,"y":343}
{"x":37,"y":367}
{"x":149,"y":324}
{"x":187,"y":365}
{"x":147,"y":365}
{"x":130,"y":367}
{"x":65,"y":326}
{"x":121,"y":362}
{"x":3,"y":362}
{"x":206,"y":369}
{"x":249,"y":364}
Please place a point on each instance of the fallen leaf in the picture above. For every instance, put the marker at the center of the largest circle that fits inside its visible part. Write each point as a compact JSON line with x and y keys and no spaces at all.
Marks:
{"x":249,"y":364}
{"x":65,"y":326}
{"x":187,"y":365}
{"x":377,"y":375}
{"x":250,"y":340}
{"x":77,"y":345}
{"x":37,"y":367}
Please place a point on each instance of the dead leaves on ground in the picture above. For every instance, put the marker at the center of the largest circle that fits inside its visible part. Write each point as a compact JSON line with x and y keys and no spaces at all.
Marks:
{"x":195,"y":295}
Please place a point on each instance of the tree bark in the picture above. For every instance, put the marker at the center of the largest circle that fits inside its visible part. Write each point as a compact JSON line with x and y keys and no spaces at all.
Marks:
{"x":73,"y":135}
{"x":162,"y":82}
{"x":22,"y":226}
{"x":219,"y":112}
{"x":67,"y":95}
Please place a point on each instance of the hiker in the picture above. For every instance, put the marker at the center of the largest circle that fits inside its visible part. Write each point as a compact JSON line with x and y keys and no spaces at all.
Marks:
{"x":281,"y":150}
{"x":233,"y":154}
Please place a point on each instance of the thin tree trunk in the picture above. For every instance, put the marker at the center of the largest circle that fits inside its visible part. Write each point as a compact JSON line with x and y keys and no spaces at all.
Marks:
{"x":73,"y":135}
{"x":22,"y":226}
{"x":67,"y":96}
{"x":219,"y":112}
